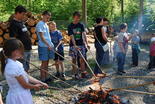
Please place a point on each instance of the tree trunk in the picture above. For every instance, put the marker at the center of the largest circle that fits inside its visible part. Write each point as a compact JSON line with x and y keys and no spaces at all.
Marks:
{"x":84,"y":11}
{"x":140,"y":17}
{"x":122,"y":10}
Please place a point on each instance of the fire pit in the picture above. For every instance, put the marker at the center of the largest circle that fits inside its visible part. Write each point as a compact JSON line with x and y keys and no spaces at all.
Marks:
{"x":98,"y":97}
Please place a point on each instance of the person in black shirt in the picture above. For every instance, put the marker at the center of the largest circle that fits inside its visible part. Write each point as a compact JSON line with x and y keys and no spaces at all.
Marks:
{"x":76,"y":31}
{"x":100,"y":41}
{"x":19,"y":30}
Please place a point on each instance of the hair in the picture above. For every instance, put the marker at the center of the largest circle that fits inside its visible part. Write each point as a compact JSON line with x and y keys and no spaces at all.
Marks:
{"x":46,"y":13}
{"x":99,"y":19}
{"x":8,"y":47}
{"x":20,"y":9}
{"x":123,"y":26}
{"x":52,"y":22}
{"x":76,"y":13}
{"x":105,"y":19}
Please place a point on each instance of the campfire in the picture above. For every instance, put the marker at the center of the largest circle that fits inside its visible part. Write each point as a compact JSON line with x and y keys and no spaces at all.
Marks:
{"x":98,"y":97}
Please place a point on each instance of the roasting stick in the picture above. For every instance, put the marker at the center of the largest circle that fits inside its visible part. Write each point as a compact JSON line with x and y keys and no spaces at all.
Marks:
{"x":133,"y":76}
{"x":96,"y":61}
{"x":87,"y":64}
{"x":134,"y":86}
{"x":64,"y":58}
{"x":55,"y":77}
{"x":138,"y":92}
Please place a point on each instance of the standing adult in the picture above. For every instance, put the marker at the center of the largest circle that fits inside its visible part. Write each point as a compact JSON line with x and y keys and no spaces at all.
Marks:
{"x":100,"y":41}
{"x":19,"y":30}
{"x":45,"y":45}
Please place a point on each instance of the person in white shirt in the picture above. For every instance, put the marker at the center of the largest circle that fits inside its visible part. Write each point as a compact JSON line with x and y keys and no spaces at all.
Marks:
{"x":18,"y":80}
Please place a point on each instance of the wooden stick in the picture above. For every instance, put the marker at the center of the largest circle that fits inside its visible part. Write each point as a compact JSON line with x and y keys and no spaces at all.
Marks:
{"x":134,"y":76}
{"x":138,"y":92}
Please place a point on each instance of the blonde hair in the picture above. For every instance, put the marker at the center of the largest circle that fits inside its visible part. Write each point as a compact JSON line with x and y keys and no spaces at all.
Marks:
{"x":51,"y":23}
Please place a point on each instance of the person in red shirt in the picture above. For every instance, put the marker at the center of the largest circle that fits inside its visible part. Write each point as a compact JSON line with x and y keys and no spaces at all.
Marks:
{"x":152,"y":53}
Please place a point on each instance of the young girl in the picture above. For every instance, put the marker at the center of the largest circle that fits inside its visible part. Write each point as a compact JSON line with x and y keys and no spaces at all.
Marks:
{"x":18,"y":80}
{"x":56,"y":37}
{"x":152,"y":53}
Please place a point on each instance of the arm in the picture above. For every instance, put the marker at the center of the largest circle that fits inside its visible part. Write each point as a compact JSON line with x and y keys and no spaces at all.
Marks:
{"x":104,"y":35}
{"x":43,"y":39}
{"x":35,"y":81}
{"x":85,"y":41}
{"x":26,"y":85}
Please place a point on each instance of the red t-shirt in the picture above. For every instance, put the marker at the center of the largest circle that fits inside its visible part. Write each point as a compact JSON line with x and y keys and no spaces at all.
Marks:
{"x":152,"y":50}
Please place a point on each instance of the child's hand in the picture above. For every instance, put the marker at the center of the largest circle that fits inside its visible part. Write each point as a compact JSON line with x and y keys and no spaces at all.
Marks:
{"x":44,"y":85}
{"x":37,"y":86}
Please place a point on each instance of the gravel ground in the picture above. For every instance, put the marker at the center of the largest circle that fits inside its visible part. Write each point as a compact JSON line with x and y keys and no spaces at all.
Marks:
{"x":51,"y":96}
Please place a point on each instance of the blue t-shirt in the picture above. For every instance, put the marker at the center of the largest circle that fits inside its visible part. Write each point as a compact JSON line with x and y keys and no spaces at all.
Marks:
{"x":56,"y":37}
{"x":43,"y":27}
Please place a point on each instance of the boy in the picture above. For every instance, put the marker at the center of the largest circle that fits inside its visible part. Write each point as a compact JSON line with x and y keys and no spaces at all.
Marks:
{"x":76,"y":31}
{"x":152,"y":53}
{"x":45,"y":44}
{"x":19,"y":30}
{"x":57,"y":40}
{"x":135,"y":48}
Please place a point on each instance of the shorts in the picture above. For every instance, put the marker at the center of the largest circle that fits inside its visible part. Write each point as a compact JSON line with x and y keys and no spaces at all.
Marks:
{"x":75,"y":53}
{"x":58,"y":57}
{"x":45,"y":54}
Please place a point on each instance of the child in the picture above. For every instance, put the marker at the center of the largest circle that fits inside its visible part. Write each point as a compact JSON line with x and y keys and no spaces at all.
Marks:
{"x":135,"y":48}
{"x":152,"y":53}
{"x":77,"y":44}
{"x":121,"y":48}
{"x":45,"y":45}
{"x":56,"y":37}
{"x":18,"y":80}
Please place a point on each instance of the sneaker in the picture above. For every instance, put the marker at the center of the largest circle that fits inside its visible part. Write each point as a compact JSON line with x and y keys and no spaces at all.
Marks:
{"x":57,"y":74}
{"x":84,"y":74}
{"x":77,"y":77}
{"x":63,"y":77}
{"x":119,"y":73}
{"x":123,"y":72}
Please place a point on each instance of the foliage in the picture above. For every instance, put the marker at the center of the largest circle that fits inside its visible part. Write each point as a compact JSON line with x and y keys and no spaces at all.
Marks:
{"x":62,"y":9}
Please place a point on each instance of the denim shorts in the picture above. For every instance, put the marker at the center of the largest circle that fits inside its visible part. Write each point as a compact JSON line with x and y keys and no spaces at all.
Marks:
{"x":75,"y":53}
{"x":45,"y":54}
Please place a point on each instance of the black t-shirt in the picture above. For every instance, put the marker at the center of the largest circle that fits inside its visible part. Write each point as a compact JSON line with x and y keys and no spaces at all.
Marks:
{"x":76,"y":30}
{"x":18,"y":29}
{"x":98,"y":32}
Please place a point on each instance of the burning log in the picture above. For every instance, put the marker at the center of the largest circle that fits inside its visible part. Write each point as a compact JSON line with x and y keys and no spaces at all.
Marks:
{"x":98,"y":97}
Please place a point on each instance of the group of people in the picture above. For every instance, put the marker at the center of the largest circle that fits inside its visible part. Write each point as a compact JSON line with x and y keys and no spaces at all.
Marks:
{"x":16,"y":52}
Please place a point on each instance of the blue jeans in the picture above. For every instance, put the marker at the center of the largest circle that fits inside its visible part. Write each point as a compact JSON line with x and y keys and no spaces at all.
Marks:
{"x":135,"y":56}
{"x":120,"y":61}
{"x":99,"y":57}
